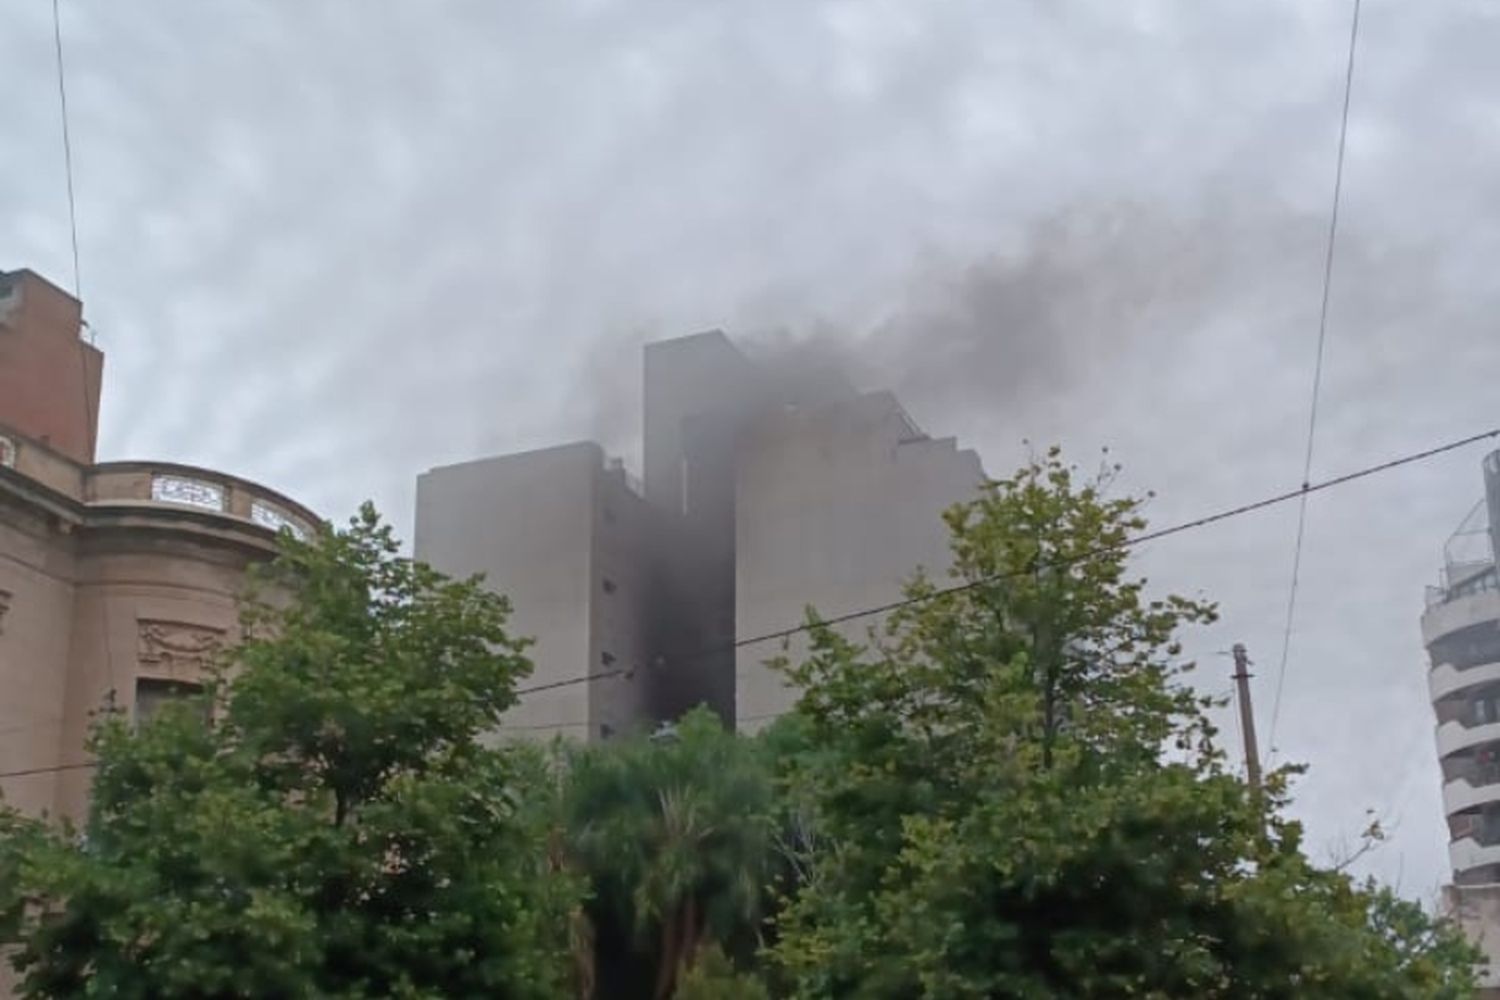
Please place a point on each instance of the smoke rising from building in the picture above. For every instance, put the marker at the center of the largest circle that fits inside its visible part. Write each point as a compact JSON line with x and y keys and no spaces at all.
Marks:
{"x":1075,"y":302}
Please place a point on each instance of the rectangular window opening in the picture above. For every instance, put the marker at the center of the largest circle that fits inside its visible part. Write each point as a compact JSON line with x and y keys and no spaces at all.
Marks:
{"x":153,"y":694}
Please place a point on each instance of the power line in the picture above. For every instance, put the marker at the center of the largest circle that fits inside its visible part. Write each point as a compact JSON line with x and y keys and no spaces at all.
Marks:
{"x":1176,"y":529}
{"x":1304,"y":490}
{"x":627,"y":671}
{"x":90,"y":424}
{"x":67,"y":140}
{"x":1317,"y":384}
{"x":1301,"y":492}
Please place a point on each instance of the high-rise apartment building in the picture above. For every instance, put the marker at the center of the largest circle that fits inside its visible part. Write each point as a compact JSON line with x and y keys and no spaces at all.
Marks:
{"x":767,"y":489}
{"x":118,"y":580}
{"x":1461,"y":629}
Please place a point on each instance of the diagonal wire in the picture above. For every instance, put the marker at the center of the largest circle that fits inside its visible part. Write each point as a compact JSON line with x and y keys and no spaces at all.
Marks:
{"x":67,"y":141}
{"x":1409,"y":458}
{"x":1317,"y":382}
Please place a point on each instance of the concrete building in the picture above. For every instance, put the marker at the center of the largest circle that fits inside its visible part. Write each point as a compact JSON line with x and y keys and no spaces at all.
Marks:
{"x":766,"y":490}
{"x":564,"y":535}
{"x":837,"y":505}
{"x":1461,"y":629}
{"x":118,"y":580}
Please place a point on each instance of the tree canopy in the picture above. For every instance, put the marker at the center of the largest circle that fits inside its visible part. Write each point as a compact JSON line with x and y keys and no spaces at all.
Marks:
{"x":1009,"y":789}
{"x":334,"y":825}
{"x":673,"y":831}
{"x":1018,"y":796}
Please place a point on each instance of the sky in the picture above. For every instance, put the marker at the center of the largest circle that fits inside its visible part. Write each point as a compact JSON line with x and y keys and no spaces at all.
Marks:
{"x":329,"y":246}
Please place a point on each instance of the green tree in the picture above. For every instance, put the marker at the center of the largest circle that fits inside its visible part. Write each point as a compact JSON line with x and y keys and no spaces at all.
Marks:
{"x":336,"y":826}
{"x":714,"y":977}
{"x":673,"y":834}
{"x":1016,"y":795}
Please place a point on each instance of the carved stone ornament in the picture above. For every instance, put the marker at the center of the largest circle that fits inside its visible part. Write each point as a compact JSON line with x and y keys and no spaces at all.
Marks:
{"x":5,"y":596}
{"x":177,"y":650}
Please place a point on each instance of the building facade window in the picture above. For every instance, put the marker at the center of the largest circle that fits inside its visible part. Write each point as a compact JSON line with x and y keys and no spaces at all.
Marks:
{"x":1486,"y":769}
{"x":268,"y":515}
{"x":152,"y":694}
{"x":607,"y":658}
{"x":609,"y":586}
{"x":187,"y":492}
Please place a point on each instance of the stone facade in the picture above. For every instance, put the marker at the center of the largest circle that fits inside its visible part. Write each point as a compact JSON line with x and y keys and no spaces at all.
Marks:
{"x":117,"y":580}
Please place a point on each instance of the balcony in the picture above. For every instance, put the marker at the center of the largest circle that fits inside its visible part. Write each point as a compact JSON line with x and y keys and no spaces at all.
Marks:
{"x":1460,"y":613}
{"x":1466,"y":793}
{"x":1453,"y":736}
{"x":1446,"y":679}
{"x":1470,"y":853}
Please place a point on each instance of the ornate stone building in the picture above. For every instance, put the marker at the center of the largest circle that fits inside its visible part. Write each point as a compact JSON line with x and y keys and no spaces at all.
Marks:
{"x":118,"y":580}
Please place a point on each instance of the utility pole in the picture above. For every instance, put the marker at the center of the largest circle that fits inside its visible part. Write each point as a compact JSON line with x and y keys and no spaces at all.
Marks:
{"x":1247,"y":716}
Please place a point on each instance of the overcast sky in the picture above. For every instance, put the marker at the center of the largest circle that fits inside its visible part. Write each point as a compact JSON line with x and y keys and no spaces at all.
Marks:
{"x":328,"y":246}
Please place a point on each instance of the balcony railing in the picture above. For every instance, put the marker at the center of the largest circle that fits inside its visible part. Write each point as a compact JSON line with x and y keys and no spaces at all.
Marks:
{"x":1460,"y":613}
{"x":1453,"y":736}
{"x":1445,"y":679}
{"x":1469,"y":852}
{"x":170,"y":485}
{"x":1466,"y":792}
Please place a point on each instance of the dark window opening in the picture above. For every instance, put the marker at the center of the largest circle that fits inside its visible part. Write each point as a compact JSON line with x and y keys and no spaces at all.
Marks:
{"x":1468,"y":647}
{"x":151,"y":695}
{"x":1486,"y":708}
{"x":609,"y":586}
{"x":607,"y":657}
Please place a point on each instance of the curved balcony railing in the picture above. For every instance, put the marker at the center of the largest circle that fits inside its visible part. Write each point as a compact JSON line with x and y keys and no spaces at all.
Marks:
{"x":1470,"y":853}
{"x":1466,"y":793}
{"x":1446,"y":679}
{"x":1460,"y":613}
{"x":166,"y":484}
{"x":1453,"y":736}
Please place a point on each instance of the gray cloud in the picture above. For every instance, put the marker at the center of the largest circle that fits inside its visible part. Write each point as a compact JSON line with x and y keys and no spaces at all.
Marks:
{"x":330,"y":246}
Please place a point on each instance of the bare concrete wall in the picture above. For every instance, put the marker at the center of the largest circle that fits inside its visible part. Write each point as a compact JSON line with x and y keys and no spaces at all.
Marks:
{"x":837,"y":505}
{"x":1477,"y":910}
{"x":765,"y":490}
{"x":699,"y":390}
{"x":528,"y":523}
{"x":620,"y":608}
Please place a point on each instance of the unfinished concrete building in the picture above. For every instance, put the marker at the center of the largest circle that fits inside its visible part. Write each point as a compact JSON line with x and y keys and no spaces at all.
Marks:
{"x":767,"y":489}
